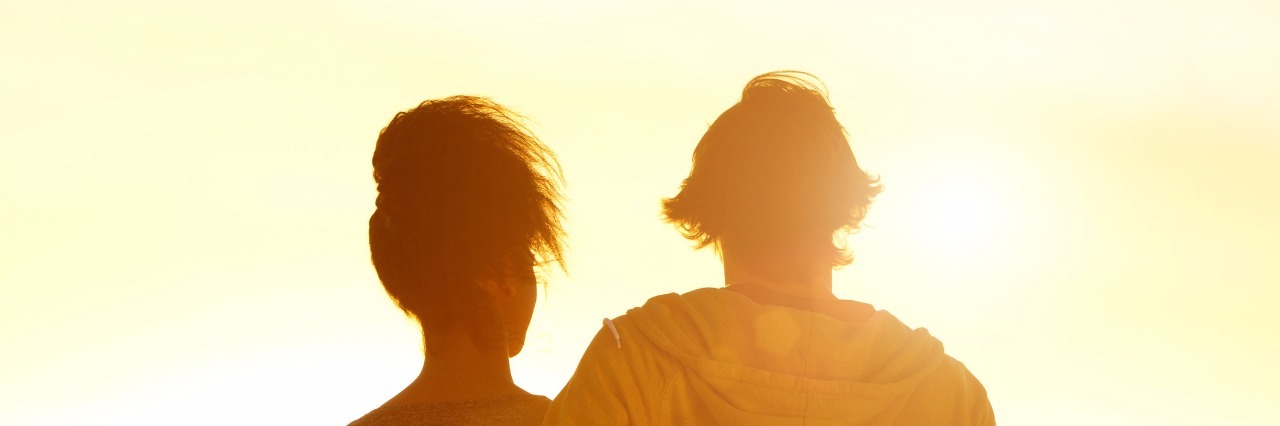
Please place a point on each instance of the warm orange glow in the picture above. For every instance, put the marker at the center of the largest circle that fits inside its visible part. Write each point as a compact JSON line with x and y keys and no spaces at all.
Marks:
{"x":1080,"y":197}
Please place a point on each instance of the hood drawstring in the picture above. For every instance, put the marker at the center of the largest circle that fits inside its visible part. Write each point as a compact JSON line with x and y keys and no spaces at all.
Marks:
{"x":609,"y":323}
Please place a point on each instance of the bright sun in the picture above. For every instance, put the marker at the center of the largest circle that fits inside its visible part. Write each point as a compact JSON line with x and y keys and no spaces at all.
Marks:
{"x":958,"y":214}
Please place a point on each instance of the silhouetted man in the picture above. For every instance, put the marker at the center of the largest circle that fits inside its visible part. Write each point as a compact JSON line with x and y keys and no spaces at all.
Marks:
{"x":774,"y":190}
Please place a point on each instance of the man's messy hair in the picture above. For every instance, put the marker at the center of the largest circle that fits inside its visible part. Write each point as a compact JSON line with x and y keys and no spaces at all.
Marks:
{"x":775,"y":172}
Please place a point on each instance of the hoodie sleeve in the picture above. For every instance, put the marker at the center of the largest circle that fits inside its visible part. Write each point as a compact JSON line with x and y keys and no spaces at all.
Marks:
{"x":594,"y":395}
{"x":983,"y":413}
{"x":950,"y":395}
{"x":618,"y":381}
{"x":978,"y":406}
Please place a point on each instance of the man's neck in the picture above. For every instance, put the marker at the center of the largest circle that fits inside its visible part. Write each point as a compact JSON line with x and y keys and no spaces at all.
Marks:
{"x":794,"y":278}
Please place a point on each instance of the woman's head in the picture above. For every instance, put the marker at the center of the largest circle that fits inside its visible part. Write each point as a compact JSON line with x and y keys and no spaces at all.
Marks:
{"x":467,"y":207}
{"x":775,"y":174}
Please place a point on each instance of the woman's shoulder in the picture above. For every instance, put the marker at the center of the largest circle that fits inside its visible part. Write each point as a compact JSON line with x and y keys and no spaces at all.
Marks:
{"x":519,"y":409}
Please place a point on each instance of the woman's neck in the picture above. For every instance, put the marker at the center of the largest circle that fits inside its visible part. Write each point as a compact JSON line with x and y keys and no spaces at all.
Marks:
{"x":457,"y":367}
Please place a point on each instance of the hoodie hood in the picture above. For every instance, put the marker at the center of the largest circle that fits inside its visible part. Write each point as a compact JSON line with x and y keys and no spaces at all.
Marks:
{"x":753,"y":363}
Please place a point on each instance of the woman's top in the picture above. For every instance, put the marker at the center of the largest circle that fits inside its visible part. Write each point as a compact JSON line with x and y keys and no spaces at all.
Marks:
{"x":516,"y":409}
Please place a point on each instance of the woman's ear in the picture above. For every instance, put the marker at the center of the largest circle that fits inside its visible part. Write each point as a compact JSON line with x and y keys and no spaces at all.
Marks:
{"x":516,"y":272}
{"x":507,"y":288}
{"x":498,"y":287}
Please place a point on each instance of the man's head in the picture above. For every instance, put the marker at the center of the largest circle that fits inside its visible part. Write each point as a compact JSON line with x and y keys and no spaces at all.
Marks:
{"x":468,"y":205}
{"x":774,"y":174}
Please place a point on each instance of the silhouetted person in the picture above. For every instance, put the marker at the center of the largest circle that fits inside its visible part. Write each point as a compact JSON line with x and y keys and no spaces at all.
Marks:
{"x":774,"y":190}
{"x":467,"y":208}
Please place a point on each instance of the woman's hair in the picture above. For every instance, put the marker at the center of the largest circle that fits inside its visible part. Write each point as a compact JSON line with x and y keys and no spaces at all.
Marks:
{"x":465,"y":193}
{"x":775,"y":172}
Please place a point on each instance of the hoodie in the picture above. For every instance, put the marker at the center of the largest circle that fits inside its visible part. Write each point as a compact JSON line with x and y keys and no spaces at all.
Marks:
{"x":713,"y":356}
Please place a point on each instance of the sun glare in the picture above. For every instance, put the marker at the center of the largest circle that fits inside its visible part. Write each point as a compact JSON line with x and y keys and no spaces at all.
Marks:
{"x":958,"y":213}
{"x":1079,"y":197}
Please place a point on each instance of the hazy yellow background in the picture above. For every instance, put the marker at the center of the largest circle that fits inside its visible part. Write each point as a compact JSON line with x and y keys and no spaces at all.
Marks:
{"x":1081,"y":196}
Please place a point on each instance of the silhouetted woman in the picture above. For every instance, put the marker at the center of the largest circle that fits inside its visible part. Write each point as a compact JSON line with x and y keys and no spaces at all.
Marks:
{"x":467,"y":209}
{"x":774,"y":190}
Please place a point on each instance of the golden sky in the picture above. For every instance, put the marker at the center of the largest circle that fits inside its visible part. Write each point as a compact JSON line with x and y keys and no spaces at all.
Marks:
{"x":1080,"y":195}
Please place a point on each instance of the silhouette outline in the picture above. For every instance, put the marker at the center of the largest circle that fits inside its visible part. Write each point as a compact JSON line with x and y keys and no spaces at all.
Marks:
{"x":774,"y":190}
{"x":467,"y":213}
